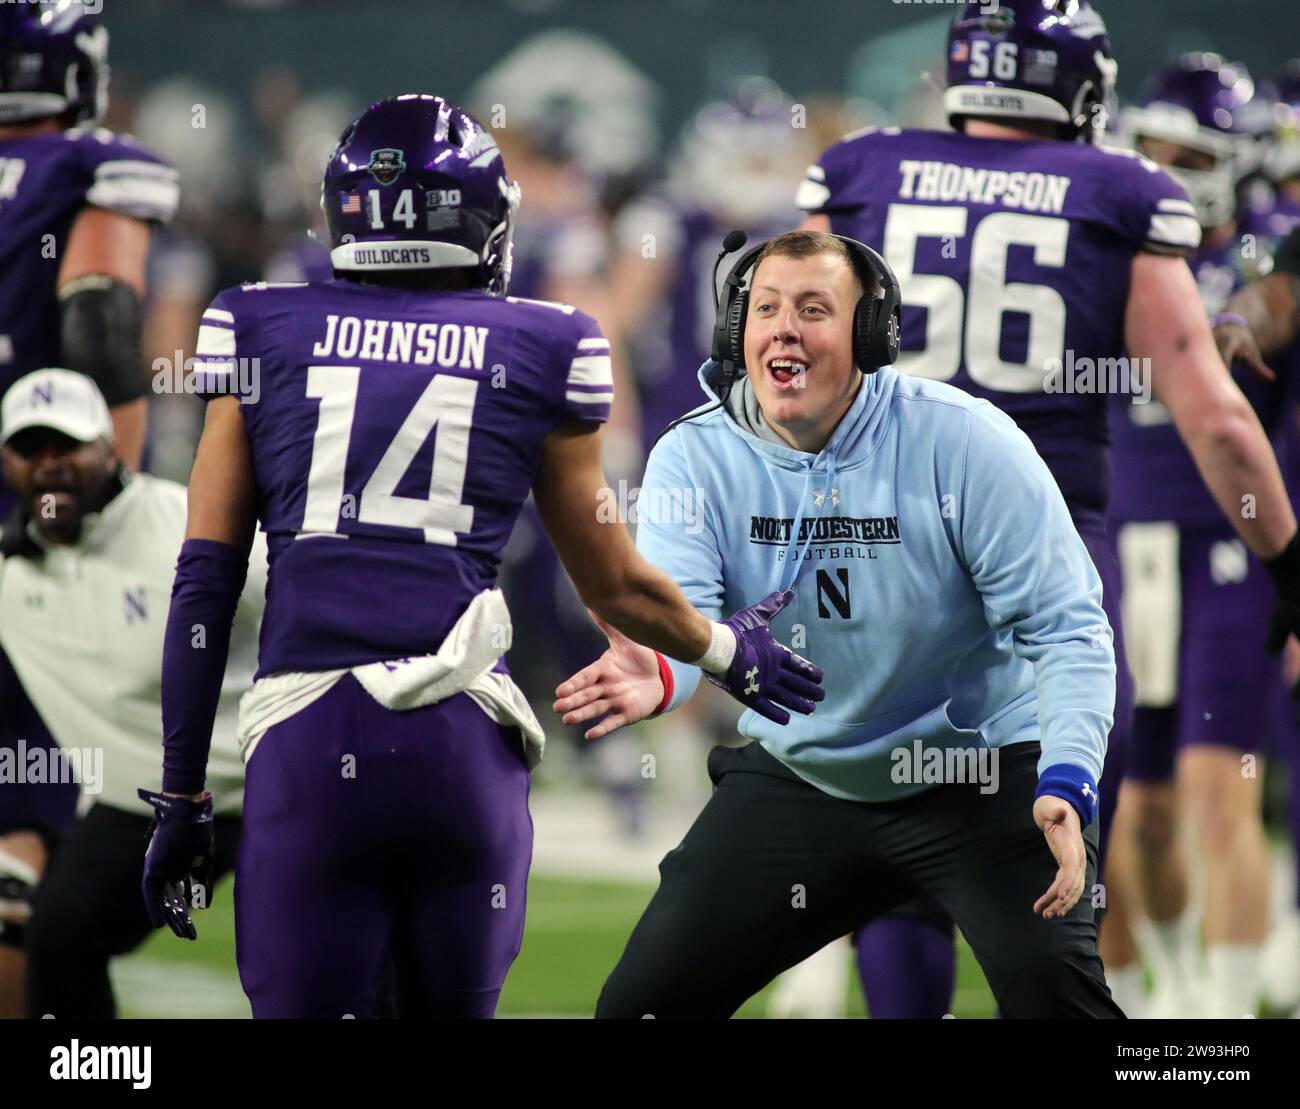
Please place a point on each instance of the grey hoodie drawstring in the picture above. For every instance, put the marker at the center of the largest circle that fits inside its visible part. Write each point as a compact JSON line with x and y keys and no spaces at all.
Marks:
{"x":790,"y":570}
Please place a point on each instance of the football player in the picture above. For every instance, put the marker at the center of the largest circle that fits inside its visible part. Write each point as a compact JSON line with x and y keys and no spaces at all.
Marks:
{"x":1028,"y":254}
{"x":386,"y":427}
{"x":76,"y":204}
{"x":1194,"y":598}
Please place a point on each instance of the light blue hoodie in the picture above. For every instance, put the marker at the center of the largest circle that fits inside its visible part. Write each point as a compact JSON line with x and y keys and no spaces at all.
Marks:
{"x":939,"y":582}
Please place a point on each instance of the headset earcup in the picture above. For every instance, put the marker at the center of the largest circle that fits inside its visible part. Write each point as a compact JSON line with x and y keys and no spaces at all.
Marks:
{"x":864,"y":322}
{"x":888,"y":326}
{"x":736,"y":313}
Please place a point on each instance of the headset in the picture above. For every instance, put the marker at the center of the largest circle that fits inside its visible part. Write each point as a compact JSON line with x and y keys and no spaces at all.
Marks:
{"x":876,"y":319}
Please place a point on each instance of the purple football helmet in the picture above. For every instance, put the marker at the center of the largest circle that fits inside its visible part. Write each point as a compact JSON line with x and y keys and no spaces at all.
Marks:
{"x":53,"y":62}
{"x":1209,"y":106}
{"x":737,"y":157}
{"x":1031,"y":59}
{"x":416,"y":183}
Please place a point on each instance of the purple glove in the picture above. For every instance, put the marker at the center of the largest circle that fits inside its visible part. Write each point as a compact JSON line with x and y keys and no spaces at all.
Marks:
{"x":178,"y":858}
{"x":765,"y":675}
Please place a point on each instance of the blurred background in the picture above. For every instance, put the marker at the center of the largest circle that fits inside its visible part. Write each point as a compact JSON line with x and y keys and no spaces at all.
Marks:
{"x":640,"y":133}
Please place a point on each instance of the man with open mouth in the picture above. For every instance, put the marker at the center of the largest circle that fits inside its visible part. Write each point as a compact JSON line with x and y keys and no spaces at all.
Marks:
{"x":923,"y":556}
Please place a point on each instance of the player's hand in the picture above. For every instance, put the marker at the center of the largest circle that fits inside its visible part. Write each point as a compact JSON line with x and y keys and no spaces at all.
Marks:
{"x":1237,"y":344}
{"x":623,"y":682}
{"x":1060,"y":825}
{"x":178,"y":859}
{"x":765,"y":675}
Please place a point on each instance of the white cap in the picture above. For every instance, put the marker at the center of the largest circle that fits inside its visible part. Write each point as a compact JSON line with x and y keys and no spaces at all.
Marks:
{"x":60,"y":399}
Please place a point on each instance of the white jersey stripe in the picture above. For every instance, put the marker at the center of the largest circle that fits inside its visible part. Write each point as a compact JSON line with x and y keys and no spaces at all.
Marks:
{"x":1174,"y":230}
{"x":218,"y":342}
{"x":591,"y":369}
{"x":136,"y":169}
{"x":811,"y":195}
{"x":147,"y":198}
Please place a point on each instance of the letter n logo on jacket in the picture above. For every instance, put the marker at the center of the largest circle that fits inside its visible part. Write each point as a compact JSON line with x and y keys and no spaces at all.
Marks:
{"x":827,"y":591}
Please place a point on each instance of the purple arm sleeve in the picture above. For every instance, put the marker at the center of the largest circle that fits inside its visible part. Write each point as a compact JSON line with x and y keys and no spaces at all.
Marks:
{"x":209,"y":579}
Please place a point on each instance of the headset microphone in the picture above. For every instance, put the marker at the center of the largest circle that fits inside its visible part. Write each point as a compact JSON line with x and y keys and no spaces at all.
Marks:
{"x":733,"y":242}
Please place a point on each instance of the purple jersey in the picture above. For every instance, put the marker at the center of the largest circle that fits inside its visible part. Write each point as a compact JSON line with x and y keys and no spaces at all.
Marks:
{"x":394,"y":436}
{"x":676,"y":336}
{"x":45,"y":180}
{"x":1014,"y":258}
{"x":1160,"y":480}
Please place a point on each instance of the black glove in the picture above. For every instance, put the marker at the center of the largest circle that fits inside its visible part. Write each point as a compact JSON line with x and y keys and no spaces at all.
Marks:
{"x":178,"y":859}
{"x":1285,"y":572}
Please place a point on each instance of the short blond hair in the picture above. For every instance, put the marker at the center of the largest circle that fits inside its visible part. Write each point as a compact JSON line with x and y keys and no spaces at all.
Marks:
{"x":807,"y":244}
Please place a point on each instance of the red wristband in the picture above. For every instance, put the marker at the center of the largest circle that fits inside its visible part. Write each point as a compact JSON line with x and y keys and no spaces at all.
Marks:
{"x":665,"y":676}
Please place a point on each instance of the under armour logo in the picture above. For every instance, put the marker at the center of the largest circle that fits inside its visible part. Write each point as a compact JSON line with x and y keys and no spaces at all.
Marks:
{"x":751,"y":676}
{"x":819,"y":497}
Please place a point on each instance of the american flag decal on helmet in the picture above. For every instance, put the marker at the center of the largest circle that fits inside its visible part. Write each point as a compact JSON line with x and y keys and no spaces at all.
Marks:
{"x":351,"y":203}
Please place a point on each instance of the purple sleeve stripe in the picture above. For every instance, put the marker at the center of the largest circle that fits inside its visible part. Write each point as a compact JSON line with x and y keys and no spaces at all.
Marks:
{"x":606,"y":388}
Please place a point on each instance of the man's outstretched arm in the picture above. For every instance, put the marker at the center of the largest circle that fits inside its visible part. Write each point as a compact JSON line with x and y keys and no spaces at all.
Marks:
{"x":1166,"y":324}
{"x":611,"y":577}
{"x":647,"y":609}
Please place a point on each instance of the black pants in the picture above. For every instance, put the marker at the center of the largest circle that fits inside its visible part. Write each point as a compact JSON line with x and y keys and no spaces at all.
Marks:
{"x":89,"y":908}
{"x":773,"y":869}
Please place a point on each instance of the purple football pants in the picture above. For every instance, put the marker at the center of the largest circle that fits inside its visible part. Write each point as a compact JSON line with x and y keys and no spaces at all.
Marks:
{"x":1227,"y":681}
{"x":907,"y":961}
{"x":381,"y":842}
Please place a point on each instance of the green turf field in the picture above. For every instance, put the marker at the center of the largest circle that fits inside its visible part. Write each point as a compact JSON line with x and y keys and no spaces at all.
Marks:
{"x":574,"y":934}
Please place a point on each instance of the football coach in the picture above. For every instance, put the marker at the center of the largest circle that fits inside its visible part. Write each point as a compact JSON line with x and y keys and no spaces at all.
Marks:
{"x":920,"y":552}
